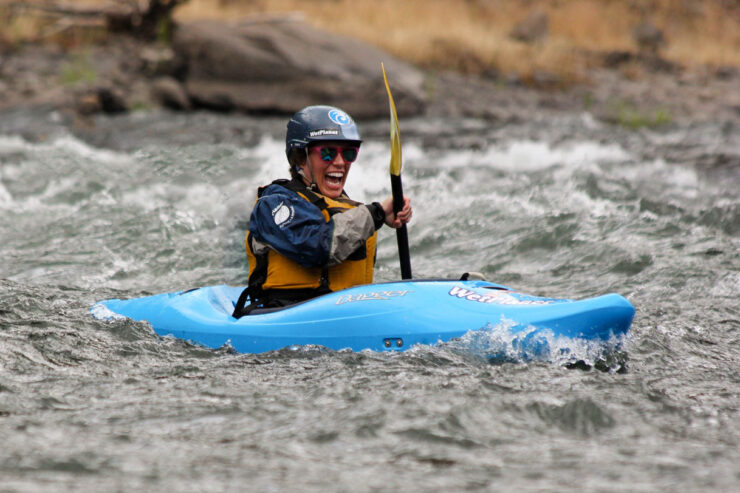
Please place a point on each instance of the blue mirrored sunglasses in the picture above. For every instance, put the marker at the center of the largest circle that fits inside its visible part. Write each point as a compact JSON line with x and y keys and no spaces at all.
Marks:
{"x":329,"y":153}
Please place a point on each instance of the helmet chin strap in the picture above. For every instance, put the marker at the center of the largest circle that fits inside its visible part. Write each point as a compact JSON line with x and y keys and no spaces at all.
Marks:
{"x":312,"y":181}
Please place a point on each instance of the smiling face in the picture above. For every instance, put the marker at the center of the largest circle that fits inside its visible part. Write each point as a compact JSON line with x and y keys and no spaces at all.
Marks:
{"x":328,"y":165}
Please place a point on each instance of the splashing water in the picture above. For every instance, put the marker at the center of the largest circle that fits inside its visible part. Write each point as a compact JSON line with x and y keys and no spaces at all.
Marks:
{"x":506,"y":343}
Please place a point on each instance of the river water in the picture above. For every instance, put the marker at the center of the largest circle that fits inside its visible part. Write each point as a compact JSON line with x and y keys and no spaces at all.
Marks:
{"x":558,"y":206}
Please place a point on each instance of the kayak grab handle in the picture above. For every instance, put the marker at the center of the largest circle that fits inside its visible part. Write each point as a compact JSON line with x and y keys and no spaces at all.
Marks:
{"x":472,"y":276}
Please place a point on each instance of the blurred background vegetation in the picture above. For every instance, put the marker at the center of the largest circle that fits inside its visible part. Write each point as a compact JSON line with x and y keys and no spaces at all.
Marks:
{"x":561,"y":37}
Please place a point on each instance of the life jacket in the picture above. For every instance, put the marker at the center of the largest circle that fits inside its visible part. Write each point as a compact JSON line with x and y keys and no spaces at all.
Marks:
{"x":276,"y":280}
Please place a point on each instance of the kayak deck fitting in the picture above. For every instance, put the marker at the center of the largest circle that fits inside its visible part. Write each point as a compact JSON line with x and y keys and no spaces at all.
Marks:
{"x":380,"y":317}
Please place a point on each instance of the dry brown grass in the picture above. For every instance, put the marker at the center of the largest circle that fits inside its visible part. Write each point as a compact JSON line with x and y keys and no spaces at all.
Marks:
{"x":19,"y":24}
{"x":472,"y":35}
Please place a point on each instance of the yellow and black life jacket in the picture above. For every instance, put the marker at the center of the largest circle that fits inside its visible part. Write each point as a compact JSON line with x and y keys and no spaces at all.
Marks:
{"x":276,"y":280}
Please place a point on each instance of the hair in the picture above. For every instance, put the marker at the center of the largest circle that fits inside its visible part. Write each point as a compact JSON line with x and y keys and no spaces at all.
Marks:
{"x":296,"y":158}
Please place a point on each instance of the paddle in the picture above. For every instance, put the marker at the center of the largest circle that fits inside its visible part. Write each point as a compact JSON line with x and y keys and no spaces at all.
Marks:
{"x":396,"y":186}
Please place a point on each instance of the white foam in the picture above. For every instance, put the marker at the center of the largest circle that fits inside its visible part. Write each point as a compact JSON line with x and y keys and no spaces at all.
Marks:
{"x":13,"y":143}
{"x":79,"y":148}
{"x":54,"y":167}
{"x":271,"y":153}
{"x":102,"y":312}
{"x":500,"y":343}
{"x":528,"y":156}
{"x":369,"y":179}
{"x":67,"y":143}
{"x":6,"y":200}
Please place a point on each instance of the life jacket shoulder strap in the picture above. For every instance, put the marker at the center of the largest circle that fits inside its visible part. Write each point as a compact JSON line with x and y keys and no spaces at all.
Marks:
{"x":317,"y":199}
{"x":300,"y":188}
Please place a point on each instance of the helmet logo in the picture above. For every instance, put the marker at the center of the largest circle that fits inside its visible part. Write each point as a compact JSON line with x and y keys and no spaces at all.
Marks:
{"x":339,"y":117}
{"x":323,"y":131}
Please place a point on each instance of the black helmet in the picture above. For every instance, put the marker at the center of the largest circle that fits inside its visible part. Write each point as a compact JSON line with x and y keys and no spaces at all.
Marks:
{"x":317,"y":123}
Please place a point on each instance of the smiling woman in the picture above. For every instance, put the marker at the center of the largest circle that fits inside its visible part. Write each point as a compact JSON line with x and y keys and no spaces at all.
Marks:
{"x":327,"y":167}
{"x":306,"y":236}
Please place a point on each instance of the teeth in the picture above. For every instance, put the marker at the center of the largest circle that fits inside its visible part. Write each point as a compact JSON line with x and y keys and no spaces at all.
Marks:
{"x":335,"y":175}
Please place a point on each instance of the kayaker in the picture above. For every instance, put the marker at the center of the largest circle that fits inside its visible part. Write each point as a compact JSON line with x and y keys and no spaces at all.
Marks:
{"x":306,"y":236}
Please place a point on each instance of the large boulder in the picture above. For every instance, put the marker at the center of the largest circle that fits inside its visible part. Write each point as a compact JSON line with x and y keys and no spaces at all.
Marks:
{"x":280,"y":67}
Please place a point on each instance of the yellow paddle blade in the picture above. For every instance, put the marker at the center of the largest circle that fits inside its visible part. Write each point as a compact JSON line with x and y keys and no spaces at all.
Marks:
{"x":395,"y":131}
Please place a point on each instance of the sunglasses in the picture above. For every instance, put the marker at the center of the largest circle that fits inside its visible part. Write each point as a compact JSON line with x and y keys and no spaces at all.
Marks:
{"x":329,"y":153}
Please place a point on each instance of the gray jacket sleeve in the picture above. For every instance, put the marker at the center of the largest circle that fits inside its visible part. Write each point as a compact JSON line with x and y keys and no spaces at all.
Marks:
{"x":351,"y":229}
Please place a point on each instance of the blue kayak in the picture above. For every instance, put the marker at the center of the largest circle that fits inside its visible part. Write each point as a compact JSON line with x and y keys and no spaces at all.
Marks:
{"x":379,"y":317}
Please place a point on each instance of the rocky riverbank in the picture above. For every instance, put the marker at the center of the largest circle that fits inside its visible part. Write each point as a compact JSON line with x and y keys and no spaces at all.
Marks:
{"x":276,"y":67}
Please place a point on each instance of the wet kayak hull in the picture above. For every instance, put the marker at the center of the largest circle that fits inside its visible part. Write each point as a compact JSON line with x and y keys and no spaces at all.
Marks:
{"x":380,"y":317}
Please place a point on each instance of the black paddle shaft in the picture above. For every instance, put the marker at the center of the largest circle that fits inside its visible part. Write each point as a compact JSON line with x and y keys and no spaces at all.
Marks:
{"x":401,"y":234}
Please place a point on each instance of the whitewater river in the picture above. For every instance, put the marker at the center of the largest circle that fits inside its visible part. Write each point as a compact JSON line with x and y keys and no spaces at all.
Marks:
{"x":565,"y":207}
